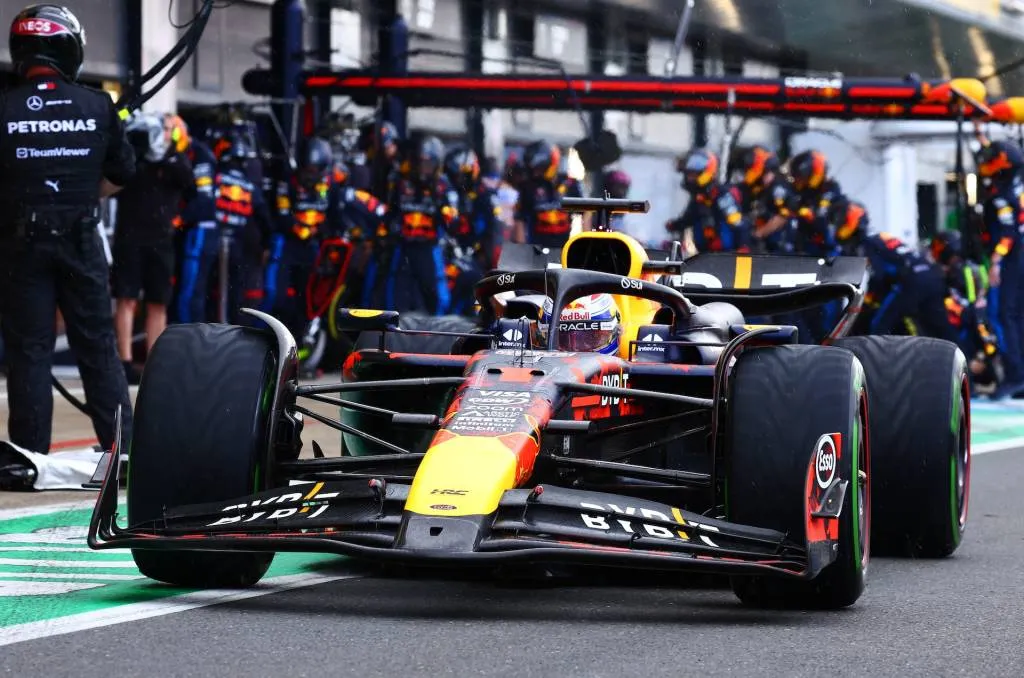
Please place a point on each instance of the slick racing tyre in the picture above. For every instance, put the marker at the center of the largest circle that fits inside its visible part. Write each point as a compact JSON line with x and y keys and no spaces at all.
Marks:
{"x":786,"y":405}
{"x":919,"y":399}
{"x":201,"y":424}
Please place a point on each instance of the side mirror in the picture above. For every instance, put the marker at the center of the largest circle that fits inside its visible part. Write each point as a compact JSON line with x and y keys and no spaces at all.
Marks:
{"x":365,"y":320}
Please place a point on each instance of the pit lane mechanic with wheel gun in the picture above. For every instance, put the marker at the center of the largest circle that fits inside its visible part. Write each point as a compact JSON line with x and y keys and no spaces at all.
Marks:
{"x":56,"y":162}
{"x":423,"y":207}
{"x":816,"y":192}
{"x":713,"y":213}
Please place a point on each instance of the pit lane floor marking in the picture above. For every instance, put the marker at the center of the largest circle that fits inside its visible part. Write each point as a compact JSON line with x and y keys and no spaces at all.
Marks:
{"x":43,"y":595}
{"x":51,"y":583}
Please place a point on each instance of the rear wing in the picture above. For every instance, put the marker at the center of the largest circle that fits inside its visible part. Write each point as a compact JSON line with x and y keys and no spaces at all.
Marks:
{"x":765,"y":273}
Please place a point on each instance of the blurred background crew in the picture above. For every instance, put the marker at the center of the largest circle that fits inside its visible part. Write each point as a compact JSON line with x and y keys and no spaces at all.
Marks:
{"x":143,"y":240}
{"x":816,"y":191}
{"x":539,"y":217}
{"x":713,"y":214}
{"x":239,"y":207}
{"x":198,"y":234}
{"x":768,"y":200}
{"x":616,"y":184}
{"x":308,"y":211}
{"x":424,"y":205}
{"x":999,"y":166}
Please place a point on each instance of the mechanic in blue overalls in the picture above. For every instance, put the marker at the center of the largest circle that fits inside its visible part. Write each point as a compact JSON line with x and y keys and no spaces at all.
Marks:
{"x":768,"y":199}
{"x":967,"y":303}
{"x":199,"y":252}
{"x":476,"y":235}
{"x":815,"y":234}
{"x":713,"y":213}
{"x":539,"y":218}
{"x":239,"y":205}
{"x":910,"y":289}
{"x":1000,"y":164}
{"x":307,"y":211}
{"x":378,"y":178}
{"x":423,"y":207}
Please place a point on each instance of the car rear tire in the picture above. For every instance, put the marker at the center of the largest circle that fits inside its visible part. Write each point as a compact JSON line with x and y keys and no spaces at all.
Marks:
{"x":783,"y":400}
{"x":919,"y":394}
{"x":201,"y":424}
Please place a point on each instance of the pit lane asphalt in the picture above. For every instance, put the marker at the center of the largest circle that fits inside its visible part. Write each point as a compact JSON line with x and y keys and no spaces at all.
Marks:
{"x":960,"y":616}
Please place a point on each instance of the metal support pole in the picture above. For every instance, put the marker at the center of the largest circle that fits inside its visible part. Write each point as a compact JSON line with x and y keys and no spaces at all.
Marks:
{"x":224,"y":278}
{"x":287,"y":60}
{"x":473,"y":36}
{"x":700,"y":120}
{"x":322,"y":50}
{"x":393,"y":59}
{"x":133,"y":45}
{"x":597,"y":48}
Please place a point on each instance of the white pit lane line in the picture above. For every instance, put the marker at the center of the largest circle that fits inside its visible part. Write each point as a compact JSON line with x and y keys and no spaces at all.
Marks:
{"x":158,"y":608}
{"x":191,"y":601}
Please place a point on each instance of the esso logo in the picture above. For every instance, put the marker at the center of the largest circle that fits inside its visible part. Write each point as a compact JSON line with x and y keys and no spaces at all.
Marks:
{"x":826,"y":459}
{"x":631,"y":284}
{"x":506,"y":279}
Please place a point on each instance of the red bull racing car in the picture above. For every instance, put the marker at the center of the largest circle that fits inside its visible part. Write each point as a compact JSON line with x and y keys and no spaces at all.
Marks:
{"x":699,"y":442}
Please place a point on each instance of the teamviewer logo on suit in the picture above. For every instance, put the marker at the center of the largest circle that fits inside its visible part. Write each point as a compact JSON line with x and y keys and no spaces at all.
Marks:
{"x":34,"y":103}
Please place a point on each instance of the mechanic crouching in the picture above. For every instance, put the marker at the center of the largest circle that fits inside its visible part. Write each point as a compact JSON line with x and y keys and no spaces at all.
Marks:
{"x":423,"y":207}
{"x":713,"y":213}
{"x":64,"y":149}
{"x":144,"y":234}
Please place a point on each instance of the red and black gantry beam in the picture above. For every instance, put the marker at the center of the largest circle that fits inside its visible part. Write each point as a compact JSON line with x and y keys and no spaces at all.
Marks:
{"x":817,"y":97}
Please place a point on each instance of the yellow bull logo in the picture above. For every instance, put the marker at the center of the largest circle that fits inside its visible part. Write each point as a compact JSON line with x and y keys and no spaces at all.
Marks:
{"x":235,"y":193}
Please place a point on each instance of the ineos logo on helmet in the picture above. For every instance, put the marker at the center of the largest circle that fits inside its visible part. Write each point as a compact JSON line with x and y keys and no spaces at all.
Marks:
{"x":49,"y":36}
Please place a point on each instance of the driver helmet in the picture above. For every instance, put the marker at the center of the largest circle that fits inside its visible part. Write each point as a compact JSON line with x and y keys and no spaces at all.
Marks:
{"x":590,"y":324}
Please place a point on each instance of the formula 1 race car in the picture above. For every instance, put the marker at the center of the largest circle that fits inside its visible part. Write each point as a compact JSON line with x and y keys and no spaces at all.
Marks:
{"x":705,"y":443}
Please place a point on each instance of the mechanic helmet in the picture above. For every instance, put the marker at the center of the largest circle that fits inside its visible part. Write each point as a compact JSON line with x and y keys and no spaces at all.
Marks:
{"x":234,"y":148}
{"x":849,"y":218}
{"x":754,"y":163}
{"x":946,"y":245}
{"x":462,"y":167}
{"x":590,"y":324}
{"x":47,"y":35}
{"x":177,"y":132}
{"x":808,"y":170}
{"x":617,"y":184}
{"x":389,"y":139}
{"x":543,"y":160}
{"x":316,"y":161}
{"x":699,"y":168}
{"x":147,"y":136}
{"x":998,"y":158}
{"x":515,"y":168}
{"x":426,"y":158}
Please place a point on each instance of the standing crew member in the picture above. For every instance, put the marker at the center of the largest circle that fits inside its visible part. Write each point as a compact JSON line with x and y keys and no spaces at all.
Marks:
{"x":1000,"y":164}
{"x":713,"y":213}
{"x":63,"y":149}
{"x":816,"y":192}
{"x":199,"y":249}
{"x":144,"y":236}
{"x":768,"y":198}
{"x":540,"y":219}
{"x":423,"y":207}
